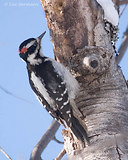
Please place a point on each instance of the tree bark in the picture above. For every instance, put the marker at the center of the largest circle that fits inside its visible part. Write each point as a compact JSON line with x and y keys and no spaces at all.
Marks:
{"x":82,"y":44}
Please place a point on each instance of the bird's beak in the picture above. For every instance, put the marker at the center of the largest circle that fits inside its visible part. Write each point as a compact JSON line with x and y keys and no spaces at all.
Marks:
{"x":41,"y":36}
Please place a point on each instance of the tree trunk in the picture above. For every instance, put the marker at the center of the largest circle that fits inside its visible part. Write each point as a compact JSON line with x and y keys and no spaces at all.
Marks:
{"x":82,"y":44}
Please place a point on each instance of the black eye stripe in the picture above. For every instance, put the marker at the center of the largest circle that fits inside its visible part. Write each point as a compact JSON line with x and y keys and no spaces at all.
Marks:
{"x":32,"y":48}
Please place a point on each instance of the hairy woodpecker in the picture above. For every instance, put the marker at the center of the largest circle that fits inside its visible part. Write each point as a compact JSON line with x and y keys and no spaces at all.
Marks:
{"x":53,"y":84}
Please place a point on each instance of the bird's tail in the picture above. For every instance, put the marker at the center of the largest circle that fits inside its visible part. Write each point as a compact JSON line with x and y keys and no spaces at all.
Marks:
{"x":78,"y":130}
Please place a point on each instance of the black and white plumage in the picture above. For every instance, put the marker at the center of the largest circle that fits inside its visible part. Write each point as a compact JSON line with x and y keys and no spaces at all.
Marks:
{"x":113,"y":34}
{"x":53,"y":84}
{"x":111,"y":18}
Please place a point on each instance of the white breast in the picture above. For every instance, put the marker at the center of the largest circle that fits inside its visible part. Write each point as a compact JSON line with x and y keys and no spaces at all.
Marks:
{"x":41,"y":89}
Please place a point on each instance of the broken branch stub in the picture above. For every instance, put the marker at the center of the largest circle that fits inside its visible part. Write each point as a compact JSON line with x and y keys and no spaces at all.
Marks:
{"x":91,"y":61}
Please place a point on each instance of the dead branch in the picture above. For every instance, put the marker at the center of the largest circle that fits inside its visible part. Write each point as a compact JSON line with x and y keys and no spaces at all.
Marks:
{"x":13,"y":95}
{"x":9,"y":158}
{"x":43,"y":142}
{"x":123,"y":47}
{"x":121,"y":12}
{"x":76,"y":26}
{"x":56,"y":140}
{"x":61,"y":154}
{"x":123,"y":2}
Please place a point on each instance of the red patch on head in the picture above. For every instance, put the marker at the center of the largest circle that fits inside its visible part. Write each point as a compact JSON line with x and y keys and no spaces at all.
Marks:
{"x":23,"y":50}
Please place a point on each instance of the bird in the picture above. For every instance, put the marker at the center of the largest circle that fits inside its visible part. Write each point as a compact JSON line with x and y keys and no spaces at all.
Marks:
{"x":54,"y":86}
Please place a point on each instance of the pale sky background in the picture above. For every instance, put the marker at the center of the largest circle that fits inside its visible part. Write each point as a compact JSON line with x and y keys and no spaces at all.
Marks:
{"x":22,"y":119}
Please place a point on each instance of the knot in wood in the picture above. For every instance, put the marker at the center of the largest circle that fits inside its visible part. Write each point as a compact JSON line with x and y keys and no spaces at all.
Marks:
{"x":91,"y":60}
{"x":91,"y":63}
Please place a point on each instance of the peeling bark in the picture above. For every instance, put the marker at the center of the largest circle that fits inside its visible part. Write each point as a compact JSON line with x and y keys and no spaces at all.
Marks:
{"x":82,"y":44}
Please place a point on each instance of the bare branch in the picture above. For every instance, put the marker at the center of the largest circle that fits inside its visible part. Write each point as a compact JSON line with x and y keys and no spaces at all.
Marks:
{"x":121,"y":12}
{"x":123,"y":2}
{"x":46,"y":138}
{"x":55,"y":139}
{"x":123,"y":47}
{"x":5,"y":153}
{"x":13,"y":95}
{"x":61,"y":154}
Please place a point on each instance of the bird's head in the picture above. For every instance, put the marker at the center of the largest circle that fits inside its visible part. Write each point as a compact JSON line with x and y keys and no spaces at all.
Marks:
{"x":29,"y":50}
